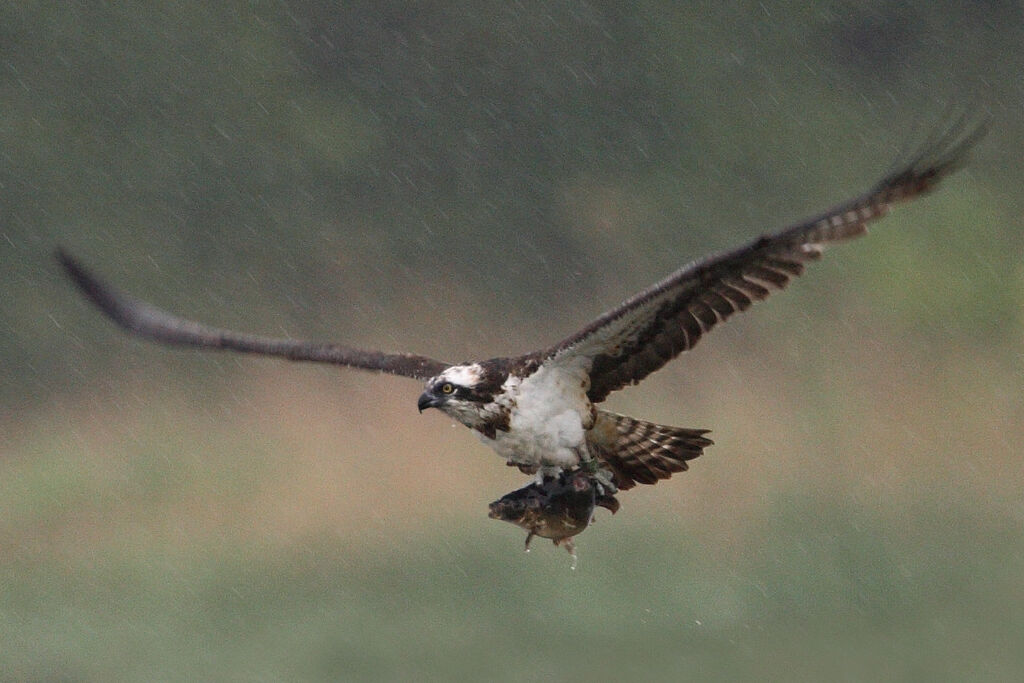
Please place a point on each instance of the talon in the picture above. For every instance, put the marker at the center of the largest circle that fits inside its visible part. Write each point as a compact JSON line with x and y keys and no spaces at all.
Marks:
{"x":605,"y":482}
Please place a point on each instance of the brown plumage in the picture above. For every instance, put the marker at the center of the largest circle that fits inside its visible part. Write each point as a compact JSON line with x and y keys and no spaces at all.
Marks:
{"x":538,"y":410}
{"x":639,"y":336}
{"x":639,"y":452}
{"x":148,"y":321}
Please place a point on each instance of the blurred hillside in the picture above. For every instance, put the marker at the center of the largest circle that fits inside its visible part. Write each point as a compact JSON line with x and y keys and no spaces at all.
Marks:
{"x":467,"y":180}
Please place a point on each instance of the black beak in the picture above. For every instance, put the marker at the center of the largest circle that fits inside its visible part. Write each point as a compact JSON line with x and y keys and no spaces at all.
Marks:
{"x":427,"y":400}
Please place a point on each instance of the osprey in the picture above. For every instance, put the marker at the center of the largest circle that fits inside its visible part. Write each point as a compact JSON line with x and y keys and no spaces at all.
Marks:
{"x":539,"y":411}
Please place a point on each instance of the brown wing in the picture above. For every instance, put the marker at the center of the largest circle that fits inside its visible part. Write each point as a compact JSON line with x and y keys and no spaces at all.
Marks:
{"x":643,"y":452}
{"x":630,"y":342}
{"x":145,"y":320}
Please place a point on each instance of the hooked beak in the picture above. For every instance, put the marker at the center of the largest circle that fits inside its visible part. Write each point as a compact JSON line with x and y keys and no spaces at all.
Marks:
{"x":427,"y":400}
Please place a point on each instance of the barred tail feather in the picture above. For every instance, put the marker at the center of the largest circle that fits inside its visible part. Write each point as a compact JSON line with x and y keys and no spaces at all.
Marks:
{"x":639,"y":452}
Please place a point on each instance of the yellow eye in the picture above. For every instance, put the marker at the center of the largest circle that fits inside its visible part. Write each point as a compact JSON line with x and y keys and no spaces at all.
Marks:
{"x":447,"y":388}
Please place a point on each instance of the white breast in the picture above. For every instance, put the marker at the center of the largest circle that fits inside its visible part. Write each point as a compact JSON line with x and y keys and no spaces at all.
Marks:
{"x":549,"y":412}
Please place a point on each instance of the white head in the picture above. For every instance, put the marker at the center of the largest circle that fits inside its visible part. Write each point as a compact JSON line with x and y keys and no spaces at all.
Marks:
{"x":461,"y":392}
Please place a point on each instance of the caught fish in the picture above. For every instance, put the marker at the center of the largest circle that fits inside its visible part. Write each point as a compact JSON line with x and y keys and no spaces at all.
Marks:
{"x":557,"y":508}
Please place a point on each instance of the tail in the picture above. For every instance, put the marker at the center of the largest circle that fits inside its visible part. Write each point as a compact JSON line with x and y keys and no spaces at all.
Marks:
{"x":639,"y":452}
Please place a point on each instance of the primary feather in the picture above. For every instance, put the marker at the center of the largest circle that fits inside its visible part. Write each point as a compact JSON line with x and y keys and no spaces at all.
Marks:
{"x":538,"y":410}
{"x":631,"y":341}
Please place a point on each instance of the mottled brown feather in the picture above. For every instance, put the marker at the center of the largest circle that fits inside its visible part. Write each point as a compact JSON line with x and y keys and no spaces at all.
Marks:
{"x":638,"y":337}
{"x":638,"y":452}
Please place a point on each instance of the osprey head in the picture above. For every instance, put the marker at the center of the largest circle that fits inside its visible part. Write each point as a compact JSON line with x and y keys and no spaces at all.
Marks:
{"x":461,"y":392}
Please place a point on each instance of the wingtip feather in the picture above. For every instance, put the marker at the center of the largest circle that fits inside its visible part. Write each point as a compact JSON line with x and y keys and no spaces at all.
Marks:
{"x":108,"y":300}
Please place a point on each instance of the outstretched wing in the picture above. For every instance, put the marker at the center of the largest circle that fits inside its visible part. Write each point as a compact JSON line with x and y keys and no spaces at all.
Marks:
{"x":630,"y":342}
{"x":150,"y":322}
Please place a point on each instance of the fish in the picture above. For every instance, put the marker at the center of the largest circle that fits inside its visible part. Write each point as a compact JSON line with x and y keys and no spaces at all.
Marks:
{"x":558,"y":507}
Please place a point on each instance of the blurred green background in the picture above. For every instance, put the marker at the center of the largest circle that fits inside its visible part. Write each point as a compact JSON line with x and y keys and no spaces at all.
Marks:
{"x":467,"y":180}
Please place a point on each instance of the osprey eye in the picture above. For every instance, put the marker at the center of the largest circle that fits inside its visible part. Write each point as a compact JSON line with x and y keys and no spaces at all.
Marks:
{"x":447,"y":388}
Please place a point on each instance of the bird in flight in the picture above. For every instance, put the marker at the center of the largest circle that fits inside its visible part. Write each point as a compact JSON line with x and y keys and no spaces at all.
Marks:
{"x":539,"y":411}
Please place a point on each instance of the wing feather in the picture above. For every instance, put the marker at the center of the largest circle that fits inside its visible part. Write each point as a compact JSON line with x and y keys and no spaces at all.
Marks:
{"x":147,"y":321}
{"x":639,"y":452}
{"x":638,"y":337}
